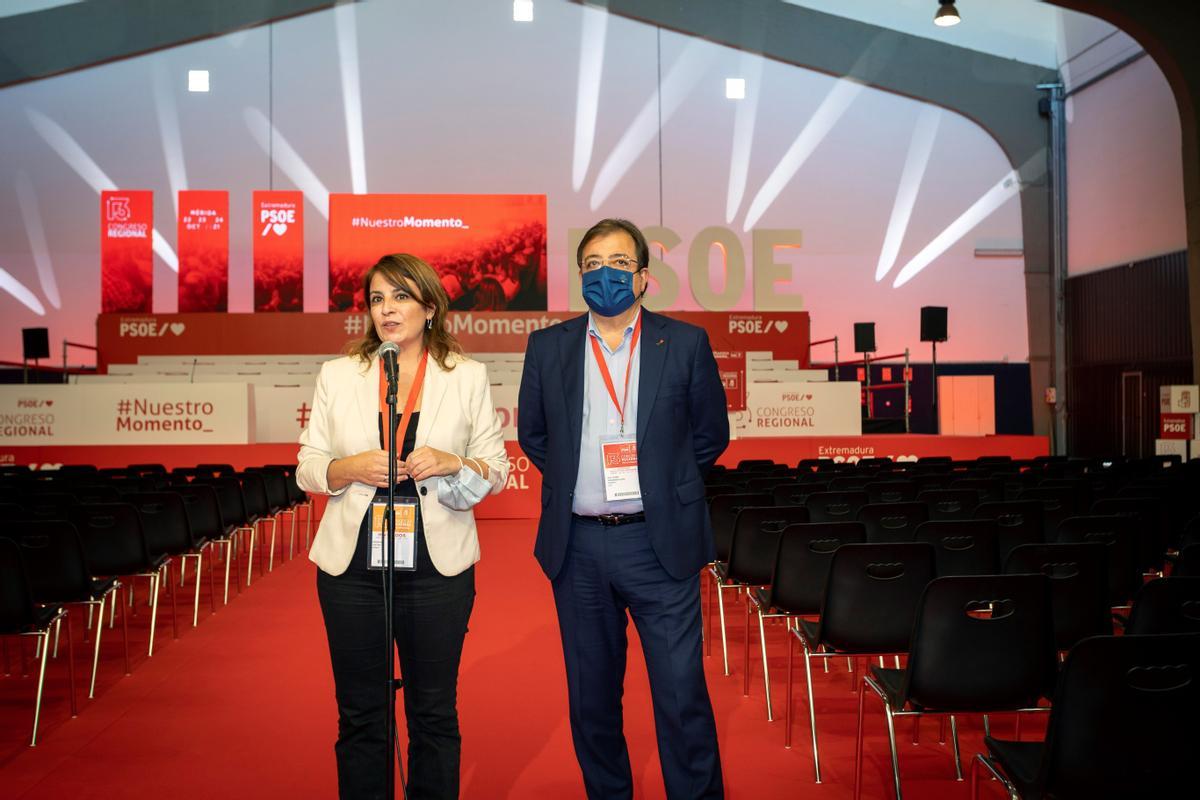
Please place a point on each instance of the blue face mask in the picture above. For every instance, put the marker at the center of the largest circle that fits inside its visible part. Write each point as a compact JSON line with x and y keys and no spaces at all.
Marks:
{"x":608,"y":291}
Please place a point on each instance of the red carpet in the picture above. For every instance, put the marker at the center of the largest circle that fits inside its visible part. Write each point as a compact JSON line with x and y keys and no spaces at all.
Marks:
{"x":242,"y":706}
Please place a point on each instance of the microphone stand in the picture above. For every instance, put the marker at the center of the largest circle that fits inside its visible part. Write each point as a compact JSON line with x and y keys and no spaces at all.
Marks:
{"x":389,"y":578}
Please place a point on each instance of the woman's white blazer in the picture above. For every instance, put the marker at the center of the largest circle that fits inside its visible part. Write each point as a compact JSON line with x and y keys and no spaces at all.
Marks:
{"x":457,"y":416}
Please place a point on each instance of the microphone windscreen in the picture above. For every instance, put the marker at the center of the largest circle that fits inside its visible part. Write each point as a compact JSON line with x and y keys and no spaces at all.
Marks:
{"x":389,"y":347}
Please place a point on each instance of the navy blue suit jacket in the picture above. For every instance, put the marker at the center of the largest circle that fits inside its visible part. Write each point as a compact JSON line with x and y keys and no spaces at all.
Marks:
{"x":682,"y":428}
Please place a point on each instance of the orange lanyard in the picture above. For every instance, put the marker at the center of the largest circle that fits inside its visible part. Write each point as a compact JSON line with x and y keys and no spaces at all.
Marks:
{"x":413,"y":393}
{"x":604,"y":373}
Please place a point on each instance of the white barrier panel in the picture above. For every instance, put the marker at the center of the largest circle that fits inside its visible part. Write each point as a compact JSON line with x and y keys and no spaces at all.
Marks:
{"x":800,"y":409}
{"x":294,"y":360}
{"x":161,"y":413}
{"x":281,"y":412}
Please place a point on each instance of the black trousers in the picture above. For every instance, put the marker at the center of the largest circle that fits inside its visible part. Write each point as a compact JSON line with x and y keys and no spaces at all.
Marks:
{"x":610,"y":575}
{"x":432,"y":611}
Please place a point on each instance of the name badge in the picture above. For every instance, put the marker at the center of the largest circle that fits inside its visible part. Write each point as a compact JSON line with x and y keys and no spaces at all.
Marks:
{"x":620,"y":459}
{"x":405,"y":553}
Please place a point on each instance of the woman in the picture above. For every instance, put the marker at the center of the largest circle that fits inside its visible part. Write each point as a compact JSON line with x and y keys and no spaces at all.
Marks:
{"x":451,"y":458}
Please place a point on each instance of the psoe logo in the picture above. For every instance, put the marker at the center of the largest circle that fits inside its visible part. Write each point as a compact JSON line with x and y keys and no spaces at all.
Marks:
{"x":757,"y":325}
{"x":33,"y":402}
{"x":116,"y":209}
{"x":276,"y":220}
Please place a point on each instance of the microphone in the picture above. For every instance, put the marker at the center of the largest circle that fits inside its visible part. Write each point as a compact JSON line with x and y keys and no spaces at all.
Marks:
{"x":388,"y":353}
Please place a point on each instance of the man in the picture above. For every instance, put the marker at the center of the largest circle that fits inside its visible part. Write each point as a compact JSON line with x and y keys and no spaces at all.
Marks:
{"x":623,"y":412}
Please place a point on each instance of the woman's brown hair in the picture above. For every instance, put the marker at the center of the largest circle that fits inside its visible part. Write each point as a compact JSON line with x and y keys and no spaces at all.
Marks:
{"x":408,"y":272}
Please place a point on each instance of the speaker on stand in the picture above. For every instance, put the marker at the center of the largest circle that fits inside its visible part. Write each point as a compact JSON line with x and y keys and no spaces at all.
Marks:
{"x":933,"y":330}
{"x":35,"y":344}
{"x":864,"y":342}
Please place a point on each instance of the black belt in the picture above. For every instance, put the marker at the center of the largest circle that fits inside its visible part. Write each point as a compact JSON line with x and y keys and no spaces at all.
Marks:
{"x":610,"y":520}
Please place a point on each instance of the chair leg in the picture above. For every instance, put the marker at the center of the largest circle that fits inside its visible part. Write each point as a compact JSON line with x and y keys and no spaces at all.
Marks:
{"x":787,"y":711}
{"x":212,"y":578}
{"x":43,"y":637}
{"x":155,"y":579}
{"x":891,"y":726}
{"x":196,"y":598}
{"x":229,"y":558}
{"x":858,"y":740}
{"x":292,"y":538}
{"x":708,"y":583}
{"x":124,"y":627}
{"x":174,"y":606}
{"x":271,"y":562}
{"x":721,"y":612}
{"x":96,"y":648}
{"x":250,"y":558}
{"x":987,"y":725}
{"x":812,"y":712}
{"x":71,"y":666}
{"x":957,"y":754}
{"x":746,"y":652}
{"x":762,"y":639}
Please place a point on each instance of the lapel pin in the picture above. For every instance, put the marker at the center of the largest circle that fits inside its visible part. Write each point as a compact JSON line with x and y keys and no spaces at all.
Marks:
{"x":659,"y":342}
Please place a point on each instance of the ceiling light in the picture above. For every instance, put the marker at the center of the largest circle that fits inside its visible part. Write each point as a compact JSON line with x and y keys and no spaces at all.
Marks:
{"x":946,"y":15}
{"x":735,"y":88}
{"x":197,"y":80}
{"x":522,"y":10}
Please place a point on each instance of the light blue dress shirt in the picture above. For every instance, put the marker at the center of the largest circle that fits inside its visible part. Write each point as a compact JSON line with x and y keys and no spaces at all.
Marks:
{"x":600,"y":417}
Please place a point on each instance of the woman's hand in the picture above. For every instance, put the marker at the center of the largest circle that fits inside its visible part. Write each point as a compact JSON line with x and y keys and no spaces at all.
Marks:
{"x":426,"y":462}
{"x":369,"y":467}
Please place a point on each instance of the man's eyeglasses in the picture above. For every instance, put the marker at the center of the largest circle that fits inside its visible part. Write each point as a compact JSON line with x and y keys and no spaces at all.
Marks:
{"x":618,"y":262}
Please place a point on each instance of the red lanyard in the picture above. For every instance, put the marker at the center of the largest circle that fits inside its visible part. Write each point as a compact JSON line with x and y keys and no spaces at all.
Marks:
{"x":604,"y":373}
{"x":413,"y":393}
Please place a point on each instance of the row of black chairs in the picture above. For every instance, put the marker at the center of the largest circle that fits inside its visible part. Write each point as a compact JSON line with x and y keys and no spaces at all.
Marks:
{"x":1091,"y":563}
{"x":82,"y":536}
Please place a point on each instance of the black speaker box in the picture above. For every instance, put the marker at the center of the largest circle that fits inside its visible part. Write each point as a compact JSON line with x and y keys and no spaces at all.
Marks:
{"x":36,"y":342}
{"x":933,"y":323}
{"x":864,"y":337}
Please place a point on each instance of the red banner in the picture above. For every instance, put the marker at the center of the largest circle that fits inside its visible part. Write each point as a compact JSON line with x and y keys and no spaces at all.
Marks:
{"x":278,"y":227}
{"x":732,"y":367}
{"x":123,"y":337}
{"x":203,"y":251}
{"x":1177,"y":426}
{"x":126,"y":254}
{"x":490,"y":250}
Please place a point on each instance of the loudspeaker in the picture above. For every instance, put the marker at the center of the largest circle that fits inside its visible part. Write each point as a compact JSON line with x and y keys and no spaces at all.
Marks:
{"x":864,"y":337}
{"x":36,"y":342}
{"x":933,"y":323}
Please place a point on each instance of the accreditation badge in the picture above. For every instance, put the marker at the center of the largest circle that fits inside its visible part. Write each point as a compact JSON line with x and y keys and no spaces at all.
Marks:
{"x":405,"y":554}
{"x":619,"y":456}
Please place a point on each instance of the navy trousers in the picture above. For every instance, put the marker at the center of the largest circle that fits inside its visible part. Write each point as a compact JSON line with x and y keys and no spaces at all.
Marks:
{"x":610,"y":572}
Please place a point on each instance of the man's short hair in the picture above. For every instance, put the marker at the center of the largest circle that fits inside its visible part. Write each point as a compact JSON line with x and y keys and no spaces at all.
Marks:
{"x":614,"y":225}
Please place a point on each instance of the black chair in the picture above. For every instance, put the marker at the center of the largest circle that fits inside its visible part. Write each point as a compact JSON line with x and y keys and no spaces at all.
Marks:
{"x":836,"y":506}
{"x":950,"y":504}
{"x":1188,"y":563}
{"x":892,"y":522}
{"x":1017,"y":522}
{"x":12,"y":512}
{"x":796,"y":493}
{"x":20,"y":616}
{"x":58,"y":575}
{"x":891,"y":491}
{"x":233,"y":513}
{"x":1151,"y":540}
{"x":278,"y":503}
{"x":751,"y":558}
{"x":990,"y":489}
{"x":204,"y":517}
{"x":215,"y":470}
{"x":798,"y":579}
{"x":845,"y":483}
{"x":723,"y":510}
{"x":258,"y":511}
{"x":867,"y":609}
{"x":165,"y":521}
{"x":115,"y":545}
{"x":1122,"y":724}
{"x":1118,"y":534}
{"x":298,"y":498}
{"x":981,"y":644}
{"x":96,"y":493}
{"x":1078,"y":576}
{"x":1166,"y":605}
{"x":961,"y":547}
{"x":755,"y":465}
{"x":767,"y":483}
{"x":1057,"y":505}
{"x":49,"y":504}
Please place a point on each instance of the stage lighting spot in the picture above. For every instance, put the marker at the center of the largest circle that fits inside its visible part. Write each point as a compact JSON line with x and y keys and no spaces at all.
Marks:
{"x":197,"y":80}
{"x":735,"y":88}
{"x":522,"y":10}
